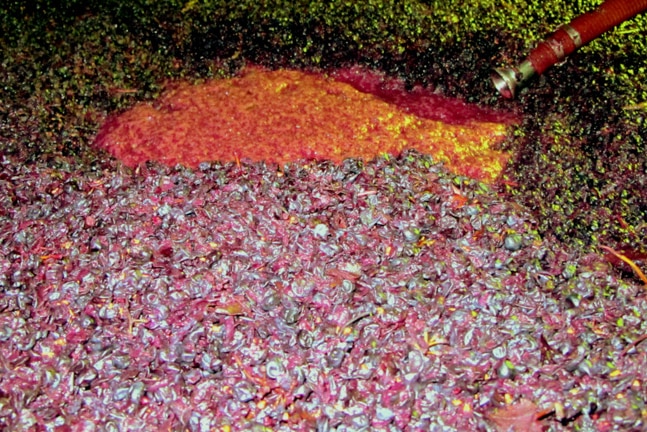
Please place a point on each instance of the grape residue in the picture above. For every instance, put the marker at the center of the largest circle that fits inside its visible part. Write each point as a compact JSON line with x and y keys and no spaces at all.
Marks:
{"x":287,"y":115}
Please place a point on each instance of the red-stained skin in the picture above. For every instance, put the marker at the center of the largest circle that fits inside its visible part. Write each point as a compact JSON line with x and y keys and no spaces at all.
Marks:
{"x":285,"y":115}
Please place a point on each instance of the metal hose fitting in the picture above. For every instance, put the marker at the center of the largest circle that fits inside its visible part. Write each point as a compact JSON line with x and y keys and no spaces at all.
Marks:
{"x":564,"y":41}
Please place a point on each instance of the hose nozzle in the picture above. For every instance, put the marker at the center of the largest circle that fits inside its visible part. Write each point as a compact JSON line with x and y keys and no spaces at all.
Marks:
{"x":506,"y":80}
{"x":564,"y":41}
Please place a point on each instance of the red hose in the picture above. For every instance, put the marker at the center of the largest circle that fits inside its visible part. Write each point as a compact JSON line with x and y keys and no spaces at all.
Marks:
{"x":583,"y":30}
{"x":567,"y":39}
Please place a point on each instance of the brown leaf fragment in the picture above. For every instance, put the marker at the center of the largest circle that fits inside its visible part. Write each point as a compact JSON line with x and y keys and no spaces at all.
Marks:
{"x":340,"y":274}
{"x":519,"y":417}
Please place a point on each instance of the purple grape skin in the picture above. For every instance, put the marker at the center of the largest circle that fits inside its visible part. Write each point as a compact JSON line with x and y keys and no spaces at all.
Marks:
{"x":233,"y":304}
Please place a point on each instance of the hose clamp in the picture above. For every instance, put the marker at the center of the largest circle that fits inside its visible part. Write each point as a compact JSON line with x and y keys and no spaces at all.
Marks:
{"x":575,"y":36}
